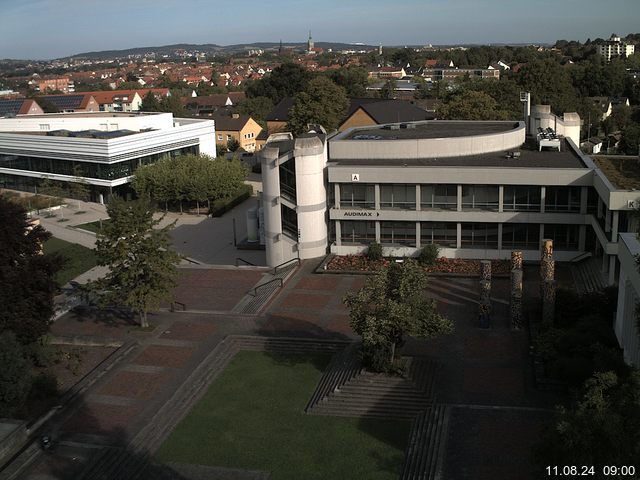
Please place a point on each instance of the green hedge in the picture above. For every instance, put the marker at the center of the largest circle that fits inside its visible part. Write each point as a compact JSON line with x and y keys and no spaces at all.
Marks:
{"x":220,"y":207}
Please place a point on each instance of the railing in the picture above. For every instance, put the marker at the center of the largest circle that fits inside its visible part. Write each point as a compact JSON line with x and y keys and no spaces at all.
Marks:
{"x":238,"y":259}
{"x":582,"y":256}
{"x":255,"y":290}
{"x":275,"y":269}
{"x":174,"y":303}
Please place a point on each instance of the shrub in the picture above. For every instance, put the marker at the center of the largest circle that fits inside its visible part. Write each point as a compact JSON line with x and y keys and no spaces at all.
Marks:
{"x":45,"y":385}
{"x":374,"y":251}
{"x":429,"y":255}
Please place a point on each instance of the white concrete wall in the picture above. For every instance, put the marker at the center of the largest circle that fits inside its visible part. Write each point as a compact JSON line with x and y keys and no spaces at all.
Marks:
{"x":626,"y":323}
{"x":311,"y":159}
{"x":412,"y":148}
{"x":86,"y":121}
{"x":274,"y":238}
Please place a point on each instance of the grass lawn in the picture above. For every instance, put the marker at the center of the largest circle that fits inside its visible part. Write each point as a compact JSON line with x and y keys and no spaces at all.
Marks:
{"x":92,"y":226}
{"x":79,"y":258}
{"x":252,"y":418}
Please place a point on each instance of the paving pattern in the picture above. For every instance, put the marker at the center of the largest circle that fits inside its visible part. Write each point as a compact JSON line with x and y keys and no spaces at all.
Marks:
{"x":485,"y":379}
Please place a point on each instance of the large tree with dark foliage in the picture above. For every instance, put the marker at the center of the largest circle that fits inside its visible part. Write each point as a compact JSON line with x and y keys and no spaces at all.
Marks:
{"x":142,"y":265}
{"x":284,"y":81}
{"x":27,"y":282}
{"x":322,"y":102}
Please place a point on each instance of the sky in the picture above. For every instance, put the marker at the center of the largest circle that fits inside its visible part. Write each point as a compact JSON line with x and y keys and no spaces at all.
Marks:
{"x":46,"y":29}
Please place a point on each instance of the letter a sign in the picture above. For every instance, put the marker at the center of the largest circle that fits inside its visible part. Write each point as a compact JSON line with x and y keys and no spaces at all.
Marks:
{"x":355,"y":177}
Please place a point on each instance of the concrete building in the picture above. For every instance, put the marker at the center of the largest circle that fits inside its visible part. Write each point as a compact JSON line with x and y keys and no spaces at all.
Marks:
{"x":626,"y":323}
{"x":477,"y":189}
{"x":105,"y":148}
{"x":614,"y":47}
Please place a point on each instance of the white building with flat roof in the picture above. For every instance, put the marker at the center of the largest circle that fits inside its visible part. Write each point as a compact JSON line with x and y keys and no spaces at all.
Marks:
{"x":477,"y":189}
{"x":614,"y":47}
{"x":105,"y":148}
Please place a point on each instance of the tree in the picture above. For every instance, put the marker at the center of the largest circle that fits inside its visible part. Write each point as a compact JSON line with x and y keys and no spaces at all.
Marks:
{"x":150,"y":103}
{"x":142,"y":265}
{"x":27,"y":283}
{"x":233,"y":145}
{"x":630,"y":141}
{"x":471,"y":105}
{"x":549,"y":83}
{"x":322,"y":102}
{"x":15,"y":378}
{"x":389,"y":306}
{"x":602,"y":428}
{"x":388,"y":89}
{"x":284,"y":81}
{"x":257,"y":108}
{"x":353,"y":79}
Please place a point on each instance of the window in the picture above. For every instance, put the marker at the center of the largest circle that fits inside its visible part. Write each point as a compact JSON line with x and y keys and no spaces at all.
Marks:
{"x":398,"y":233}
{"x":480,"y":197}
{"x":354,"y":195}
{"x":520,"y":235}
{"x":565,"y":237}
{"x":521,"y":198}
{"x":479,"y":235}
{"x":44,"y":127}
{"x":562,"y":199}
{"x":398,"y":196}
{"x":443,"y":197}
{"x":219,"y":137}
{"x":228,"y":138}
{"x":357,"y":232}
{"x":288,"y":179}
{"x":444,"y":234}
{"x":289,"y":222}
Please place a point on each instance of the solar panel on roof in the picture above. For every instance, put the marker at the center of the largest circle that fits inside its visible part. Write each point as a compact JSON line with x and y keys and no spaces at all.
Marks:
{"x":10,"y":107}
{"x":66,"y":102}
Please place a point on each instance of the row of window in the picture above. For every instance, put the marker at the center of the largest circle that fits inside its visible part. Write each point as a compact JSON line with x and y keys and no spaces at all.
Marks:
{"x":524,"y":236}
{"x":100,"y":171}
{"x":474,"y":197}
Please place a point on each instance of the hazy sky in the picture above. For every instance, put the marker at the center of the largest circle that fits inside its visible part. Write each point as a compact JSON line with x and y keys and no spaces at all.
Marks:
{"x":44,"y":29}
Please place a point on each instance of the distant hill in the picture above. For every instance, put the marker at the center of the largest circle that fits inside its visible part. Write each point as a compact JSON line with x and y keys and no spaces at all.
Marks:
{"x":211,"y":48}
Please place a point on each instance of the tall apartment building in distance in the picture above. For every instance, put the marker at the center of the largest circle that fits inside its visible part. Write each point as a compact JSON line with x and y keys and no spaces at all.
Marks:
{"x":614,"y":47}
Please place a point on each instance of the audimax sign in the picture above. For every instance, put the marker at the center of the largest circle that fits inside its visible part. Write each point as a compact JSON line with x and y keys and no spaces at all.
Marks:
{"x":360,"y":213}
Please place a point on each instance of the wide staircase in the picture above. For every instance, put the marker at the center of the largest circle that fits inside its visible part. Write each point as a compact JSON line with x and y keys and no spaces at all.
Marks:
{"x":347,"y":390}
{"x":588,"y":276}
{"x":423,"y":457}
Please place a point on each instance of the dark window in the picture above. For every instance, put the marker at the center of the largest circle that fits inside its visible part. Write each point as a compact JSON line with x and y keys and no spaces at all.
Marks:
{"x":480,"y":197}
{"x":357,"y":195}
{"x":521,"y":198}
{"x":565,"y":237}
{"x":479,"y":235}
{"x":398,"y":233}
{"x":288,"y":179}
{"x":289,"y":222}
{"x":357,"y":232}
{"x":520,"y":235}
{"x":443,"y":234}
{"x":398,"y":196}
{"x":562,"y":199}
{"x":443,"y":197}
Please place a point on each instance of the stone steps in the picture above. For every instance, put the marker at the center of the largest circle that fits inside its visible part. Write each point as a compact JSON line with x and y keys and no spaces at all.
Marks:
{"x":588,"y":276}
{"x":344,"y":366}
{"x":253,"y":301}
{"x":426,"y":444}
{"x":367,"y":394}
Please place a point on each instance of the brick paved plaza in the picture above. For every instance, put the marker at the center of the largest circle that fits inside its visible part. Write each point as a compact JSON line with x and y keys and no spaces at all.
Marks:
{"x":479,"y":368}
